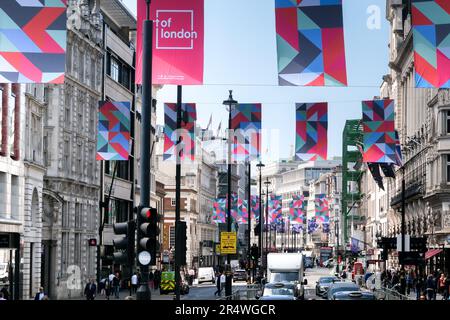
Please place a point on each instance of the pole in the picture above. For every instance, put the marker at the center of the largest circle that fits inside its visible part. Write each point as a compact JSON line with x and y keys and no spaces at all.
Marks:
{"x":178,"y":193}
{"x":228,"y":280}
{"x":267,"y":223}
{"x":249,"y":210}
{"x":403,"y":216}
{"x":337,"y":245}
{"x":143,"y":292}
{"x":261,"y":220}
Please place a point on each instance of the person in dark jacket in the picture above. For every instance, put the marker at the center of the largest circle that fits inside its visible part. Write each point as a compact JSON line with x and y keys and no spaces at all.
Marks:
{"x":90,"y":290}
{"x":40,"y":295}
{"x":420,"y":287}
{"x":5,"y":293}
{"x":116,"y":285}
{"x":431,"y":288}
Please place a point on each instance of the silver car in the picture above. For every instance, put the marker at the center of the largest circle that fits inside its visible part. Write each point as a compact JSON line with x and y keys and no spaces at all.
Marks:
{"x":341,"y":287}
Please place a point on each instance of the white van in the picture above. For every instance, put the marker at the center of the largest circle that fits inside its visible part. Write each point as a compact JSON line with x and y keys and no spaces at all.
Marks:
{"x":206,"y":275}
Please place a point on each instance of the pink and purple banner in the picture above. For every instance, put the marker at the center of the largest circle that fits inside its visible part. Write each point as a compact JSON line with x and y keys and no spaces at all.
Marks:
{"x":178,"y":42}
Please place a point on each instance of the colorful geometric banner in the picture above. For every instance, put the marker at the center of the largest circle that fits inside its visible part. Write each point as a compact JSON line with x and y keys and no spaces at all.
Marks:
{"x":219,"y":214}
{"x":275,"y":208}
{"x":32,"y":41}
{"x":246,"y":126}
{"x":379,"y":132}
{"x":296,"y":209}
{"x":311,"y":131}
{"x":255,"y":208}
{"x":113,"y":138}
{"x":178,"y":41}
{"x":186,"y":148}
{"x":431,"y":28}
{"x":310,"y":43}
{"x":296,"y":228}
{"x":242,"y":211}
{"x":322,"y":212}
{"x":312,"y":225}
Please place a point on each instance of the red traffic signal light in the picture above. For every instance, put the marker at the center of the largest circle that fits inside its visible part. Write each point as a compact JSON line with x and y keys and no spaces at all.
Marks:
{"x":92,"y":242}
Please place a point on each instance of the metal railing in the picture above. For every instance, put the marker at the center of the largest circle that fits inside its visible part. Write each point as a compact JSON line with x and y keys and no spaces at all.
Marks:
{"x":389,"y":294}
{"x":248,"y":293}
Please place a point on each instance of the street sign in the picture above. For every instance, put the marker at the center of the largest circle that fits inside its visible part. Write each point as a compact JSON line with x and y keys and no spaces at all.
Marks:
{"x":228,"y":242}
{"x":217,"y":248}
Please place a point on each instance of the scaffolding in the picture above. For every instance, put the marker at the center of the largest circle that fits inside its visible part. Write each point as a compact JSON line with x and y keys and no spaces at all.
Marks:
{"x":352,"y":140}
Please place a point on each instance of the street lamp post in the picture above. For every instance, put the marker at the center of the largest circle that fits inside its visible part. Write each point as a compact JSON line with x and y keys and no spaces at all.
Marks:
{"x":230,"y":103}
{"x":267,"y":183}
{"x":260,"y":165}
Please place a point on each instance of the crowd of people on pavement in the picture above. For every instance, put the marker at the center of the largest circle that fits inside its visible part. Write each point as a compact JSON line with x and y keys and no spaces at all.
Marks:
{"x":425,"y":287}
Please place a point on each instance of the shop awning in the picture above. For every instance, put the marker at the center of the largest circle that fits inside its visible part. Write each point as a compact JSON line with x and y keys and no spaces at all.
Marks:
{"x":431,"y":253}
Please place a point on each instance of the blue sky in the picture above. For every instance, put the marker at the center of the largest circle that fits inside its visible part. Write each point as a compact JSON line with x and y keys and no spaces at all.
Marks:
{"x":240,"y":54}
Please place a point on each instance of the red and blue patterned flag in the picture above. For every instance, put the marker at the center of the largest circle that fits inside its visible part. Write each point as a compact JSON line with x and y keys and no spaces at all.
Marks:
{"x":322,"y":213}
{"x":255,"y":208}
{"x":311,"y":131}
{"x":179,"y":145}
{"x":296,"y":209}
{"x":310,"y":43}
{"x":379,"y":131}
{"x":33,"y":41}
{"x":219,"y":214}
{"x":246,"y":130}
{"x":113,"y":138}
{"x":275,"y":208}
{"x":431,"y":29}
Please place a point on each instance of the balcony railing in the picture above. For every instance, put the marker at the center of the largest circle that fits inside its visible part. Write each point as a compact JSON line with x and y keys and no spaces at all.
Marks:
{"x":415,"y":189}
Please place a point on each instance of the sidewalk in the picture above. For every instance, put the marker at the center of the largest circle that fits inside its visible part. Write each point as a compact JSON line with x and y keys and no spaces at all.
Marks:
{"x":126,"y":292}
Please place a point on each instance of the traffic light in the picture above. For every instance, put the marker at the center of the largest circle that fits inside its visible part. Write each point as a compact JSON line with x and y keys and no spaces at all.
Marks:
{"x":254,"y":253}
{"x":180,"y":243}
{"x":124,"y":245}
{"x":148,"y":232}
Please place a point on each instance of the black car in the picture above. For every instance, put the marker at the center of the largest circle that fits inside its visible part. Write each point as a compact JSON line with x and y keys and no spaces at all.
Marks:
{"x":323,"y":284}
{"x":240,"y":275}
{"x":354,"y":295}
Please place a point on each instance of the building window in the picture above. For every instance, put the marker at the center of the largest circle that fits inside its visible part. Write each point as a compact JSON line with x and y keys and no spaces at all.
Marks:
{"x":65,"y":252}
{"x":448,"y":168}
{"x":65,"y":215}
{"x":93,"y":76}
{"x":12,"y":108}
{"x":81,"y":67}
{"x":173,"y":202}
{"x":114,"y":69}
{"x":77,"y":250}
{"x":448,"y":121}
{"x":78,"y":216}
{"x":66,"y":153}
{"x":80,"y":159}
{"x":92,"y":116}
{"x":172,"y":237}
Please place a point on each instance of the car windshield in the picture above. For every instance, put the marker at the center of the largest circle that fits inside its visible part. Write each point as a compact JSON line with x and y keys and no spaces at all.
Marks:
{"x":348,"y":288}
{"x":278,"y":292}
{"x":283,"y":277}
{"x":326,"y":280}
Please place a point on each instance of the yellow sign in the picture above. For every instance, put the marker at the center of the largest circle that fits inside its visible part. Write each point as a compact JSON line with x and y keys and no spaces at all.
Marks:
{"x":228,"y":242}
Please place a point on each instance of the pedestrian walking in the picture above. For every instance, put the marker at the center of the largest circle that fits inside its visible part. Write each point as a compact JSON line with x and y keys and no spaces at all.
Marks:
{"x":5,"y":292}
{"x":217,"y":292}
{"x":157,"y":279}
{"x":409,"y":282}
{"x":151,"y":280}
{"x":420,"y":287}
{"x":223,"y":279}
{"x":441,"y":284}
{"x":431,"y":288}
{"x":2,"y":297}
{"x":446,"y":293}
{"x":134,"y":282}
{"x":40,"y":295}
{"x":116,"y":285}
{"x":90,"y":290}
